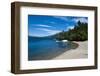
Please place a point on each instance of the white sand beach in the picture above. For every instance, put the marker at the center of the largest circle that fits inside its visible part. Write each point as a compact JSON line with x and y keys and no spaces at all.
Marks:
{"x":80,"y":52}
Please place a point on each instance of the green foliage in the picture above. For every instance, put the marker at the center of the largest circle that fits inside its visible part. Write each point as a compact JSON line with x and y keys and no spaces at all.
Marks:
{"x":79,"y":33}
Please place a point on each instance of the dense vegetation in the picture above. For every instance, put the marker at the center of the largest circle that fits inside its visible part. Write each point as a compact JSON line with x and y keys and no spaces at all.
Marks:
{"x":79,"y":33}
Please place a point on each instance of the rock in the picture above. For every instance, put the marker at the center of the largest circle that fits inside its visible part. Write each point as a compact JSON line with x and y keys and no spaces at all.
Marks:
{"x":64,"y":40}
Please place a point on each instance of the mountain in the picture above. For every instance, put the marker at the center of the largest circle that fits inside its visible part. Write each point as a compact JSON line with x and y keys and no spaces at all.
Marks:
{"x":40,"y":38}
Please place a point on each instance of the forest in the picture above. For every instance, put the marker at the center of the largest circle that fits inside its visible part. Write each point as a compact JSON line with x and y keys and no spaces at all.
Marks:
{"x":78,"y":33}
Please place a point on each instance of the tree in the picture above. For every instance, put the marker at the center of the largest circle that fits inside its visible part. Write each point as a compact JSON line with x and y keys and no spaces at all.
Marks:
{"x":79,"y":33}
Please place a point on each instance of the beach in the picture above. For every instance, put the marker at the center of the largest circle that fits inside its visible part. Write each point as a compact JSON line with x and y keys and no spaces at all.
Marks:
{"x":80,"y":52}
{"x":50,"y":49}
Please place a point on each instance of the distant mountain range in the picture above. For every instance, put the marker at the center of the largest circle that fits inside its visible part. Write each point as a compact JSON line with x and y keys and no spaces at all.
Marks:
{"x":51,"y":36}
{"x":45,"y":37}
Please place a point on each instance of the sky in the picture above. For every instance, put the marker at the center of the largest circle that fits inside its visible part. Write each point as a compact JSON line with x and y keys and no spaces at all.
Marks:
{"x":42,"y":25}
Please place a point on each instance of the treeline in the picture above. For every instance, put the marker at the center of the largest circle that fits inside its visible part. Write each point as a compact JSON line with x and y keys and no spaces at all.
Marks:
{"x":79,"y":33}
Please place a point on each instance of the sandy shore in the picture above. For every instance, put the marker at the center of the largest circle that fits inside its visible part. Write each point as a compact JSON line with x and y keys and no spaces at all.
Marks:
{"x":80,"y":52}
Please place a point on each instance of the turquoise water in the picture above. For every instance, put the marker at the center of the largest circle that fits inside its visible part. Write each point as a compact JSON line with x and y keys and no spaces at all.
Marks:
{"x":45,"y":48}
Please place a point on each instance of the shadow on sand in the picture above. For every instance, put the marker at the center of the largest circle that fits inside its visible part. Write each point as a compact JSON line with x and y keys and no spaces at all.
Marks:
{"x":63,"y":47}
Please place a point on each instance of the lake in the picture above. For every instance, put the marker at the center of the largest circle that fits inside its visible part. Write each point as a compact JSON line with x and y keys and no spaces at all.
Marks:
{"x":45,"y":48}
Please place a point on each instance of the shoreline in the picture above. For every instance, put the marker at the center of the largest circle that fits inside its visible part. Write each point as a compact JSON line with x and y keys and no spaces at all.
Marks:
{"x":80,"y":52}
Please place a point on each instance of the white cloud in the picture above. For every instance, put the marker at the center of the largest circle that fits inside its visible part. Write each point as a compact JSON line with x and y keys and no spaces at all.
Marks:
{"x":84,"y":20}
{"x":62,"y":18}
{"x":44,"y":25}
{"x":49,"y":31}
{"x":70,"y":27}
{"x":41,"y":25}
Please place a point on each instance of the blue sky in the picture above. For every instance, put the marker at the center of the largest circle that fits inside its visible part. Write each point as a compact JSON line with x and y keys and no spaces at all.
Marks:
{"x":41,"y":25}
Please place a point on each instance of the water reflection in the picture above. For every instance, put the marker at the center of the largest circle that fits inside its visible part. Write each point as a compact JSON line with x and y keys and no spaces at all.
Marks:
{"x":62,"y":44}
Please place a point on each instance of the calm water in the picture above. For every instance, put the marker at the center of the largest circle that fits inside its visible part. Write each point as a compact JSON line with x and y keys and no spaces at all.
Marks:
{"x":45,"y":48}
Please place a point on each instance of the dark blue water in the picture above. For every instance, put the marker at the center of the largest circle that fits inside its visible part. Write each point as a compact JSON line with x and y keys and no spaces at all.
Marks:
{"x":45,"y":48}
